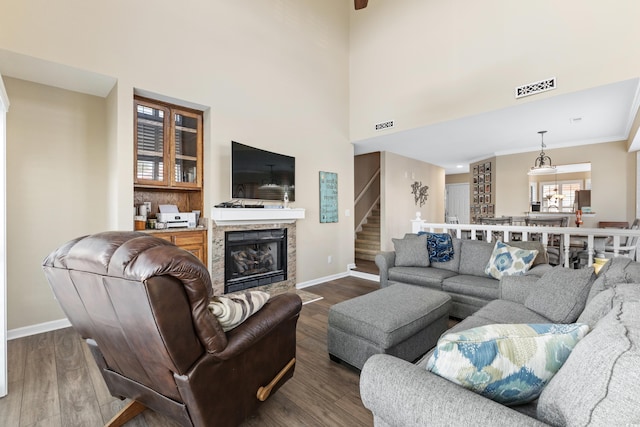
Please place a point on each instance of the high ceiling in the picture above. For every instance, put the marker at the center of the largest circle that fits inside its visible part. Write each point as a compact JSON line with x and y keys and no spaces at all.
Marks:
{"x":597,"y":115}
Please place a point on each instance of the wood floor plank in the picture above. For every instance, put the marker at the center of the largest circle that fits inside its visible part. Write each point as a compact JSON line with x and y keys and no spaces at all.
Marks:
{"x":11,"y":404}
{"x":78,"y":403}
{"x":40,"y":393}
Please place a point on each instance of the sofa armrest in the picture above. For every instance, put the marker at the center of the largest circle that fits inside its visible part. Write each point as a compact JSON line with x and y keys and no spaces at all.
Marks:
{"x":401,"y":393}
{"x":384,"y":261}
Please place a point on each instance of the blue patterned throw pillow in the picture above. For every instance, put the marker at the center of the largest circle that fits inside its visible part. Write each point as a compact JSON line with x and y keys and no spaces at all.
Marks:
{"x":439,"y":246}
{"x":509,"y":261}
{"x":510,"y":364}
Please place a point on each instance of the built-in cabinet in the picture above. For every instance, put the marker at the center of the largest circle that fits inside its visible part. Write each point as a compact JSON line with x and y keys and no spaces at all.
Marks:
{"x":168,"y":166}
{"x":482,"y":186}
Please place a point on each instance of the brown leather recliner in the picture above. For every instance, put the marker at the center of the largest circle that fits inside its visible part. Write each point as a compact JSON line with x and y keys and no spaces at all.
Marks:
{"x":141,"y":305}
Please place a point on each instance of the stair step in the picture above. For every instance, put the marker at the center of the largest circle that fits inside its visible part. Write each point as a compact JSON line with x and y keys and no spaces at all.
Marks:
{"x":368,"y":235}
{"x":373,"y":220}
{"x":366,"y":255}
{"x":370,"y":227}
{"x":367,"y":244}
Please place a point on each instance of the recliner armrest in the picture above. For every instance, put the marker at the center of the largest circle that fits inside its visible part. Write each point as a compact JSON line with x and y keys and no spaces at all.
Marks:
{"x":278,"y":309}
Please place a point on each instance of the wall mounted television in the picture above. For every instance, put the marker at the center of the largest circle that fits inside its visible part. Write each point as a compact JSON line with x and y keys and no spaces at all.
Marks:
{"x":261,"y":175}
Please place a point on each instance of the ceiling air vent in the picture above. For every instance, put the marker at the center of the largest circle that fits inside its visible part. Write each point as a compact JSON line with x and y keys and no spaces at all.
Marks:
{"x":384,"y":125}
{"x":537,"y":87}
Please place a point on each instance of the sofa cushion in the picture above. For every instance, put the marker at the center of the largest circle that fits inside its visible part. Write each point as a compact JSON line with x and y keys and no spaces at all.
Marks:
{"x":517,"y":288}
{"x":454,"y":263}
{"x":474,"y":256}
{"x":561,"y":293}
{"x":411,"y":252}
{"x":503,"y":311}
{"x":509,"y":261}
{"x":483,"y":287}
{"x":597,"y":308}
{"x":598,"y":385}
{"x":430,"y":277}
{"x":439,"y":246}
{"x":508,"y":363}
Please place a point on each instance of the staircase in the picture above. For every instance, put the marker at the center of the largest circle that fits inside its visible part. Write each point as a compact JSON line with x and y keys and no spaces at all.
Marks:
{"x":368,"y":240}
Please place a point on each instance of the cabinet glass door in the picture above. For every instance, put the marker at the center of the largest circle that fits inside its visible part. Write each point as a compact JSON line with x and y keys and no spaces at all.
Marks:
{"x":187,"y":132}
{"x":150,"y":144}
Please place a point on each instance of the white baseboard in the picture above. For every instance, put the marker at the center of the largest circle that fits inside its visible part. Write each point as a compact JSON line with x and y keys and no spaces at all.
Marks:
{"x":367,"y":276}
{"x":37,"y":329}
{"x":313,"y":282}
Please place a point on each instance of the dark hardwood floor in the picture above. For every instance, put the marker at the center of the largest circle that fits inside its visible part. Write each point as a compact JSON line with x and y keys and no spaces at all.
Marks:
{"x":366,"y":266}
{"x":54,"y":382}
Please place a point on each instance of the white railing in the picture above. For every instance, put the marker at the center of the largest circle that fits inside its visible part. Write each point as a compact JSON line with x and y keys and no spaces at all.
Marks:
{"x":597,"y":241}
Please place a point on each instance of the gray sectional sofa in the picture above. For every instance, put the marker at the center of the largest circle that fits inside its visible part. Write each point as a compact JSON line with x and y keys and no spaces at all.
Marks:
{"x":463,"y":277}
{"x":598,"y":384}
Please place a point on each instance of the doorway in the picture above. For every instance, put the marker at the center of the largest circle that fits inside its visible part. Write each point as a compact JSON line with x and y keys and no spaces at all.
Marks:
{"x":457,"y":202}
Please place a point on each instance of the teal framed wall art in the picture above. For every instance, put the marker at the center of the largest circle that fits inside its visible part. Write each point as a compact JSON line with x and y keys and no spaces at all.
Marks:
{"x":328,"y":197}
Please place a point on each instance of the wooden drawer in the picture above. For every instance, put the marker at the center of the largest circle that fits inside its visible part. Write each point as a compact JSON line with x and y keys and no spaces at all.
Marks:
{"x":186,"y":239}
{"x":193,"y":241}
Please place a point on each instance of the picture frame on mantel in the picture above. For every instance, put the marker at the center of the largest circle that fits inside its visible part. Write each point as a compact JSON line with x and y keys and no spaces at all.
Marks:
{"x":328,"y":197}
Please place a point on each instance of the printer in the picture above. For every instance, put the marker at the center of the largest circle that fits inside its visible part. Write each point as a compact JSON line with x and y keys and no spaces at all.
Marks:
{"x":170,"y":215}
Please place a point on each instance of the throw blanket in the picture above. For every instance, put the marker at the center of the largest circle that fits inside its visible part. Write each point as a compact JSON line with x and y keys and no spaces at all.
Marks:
{"x":235,"y":309}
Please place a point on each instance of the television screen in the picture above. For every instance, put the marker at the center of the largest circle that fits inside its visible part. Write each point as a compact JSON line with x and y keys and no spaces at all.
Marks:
{"x":260,"y":174}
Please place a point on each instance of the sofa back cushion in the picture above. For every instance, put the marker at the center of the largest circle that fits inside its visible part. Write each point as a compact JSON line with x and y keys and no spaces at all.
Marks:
{"x":561,"y":293}
{"x":454,"y":263}
{"x":598,"y":384}
{"x":411,"y":251}
{"x":474,"y":257}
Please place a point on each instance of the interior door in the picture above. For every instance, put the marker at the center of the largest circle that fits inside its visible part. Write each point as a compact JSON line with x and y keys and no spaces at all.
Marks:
{"x":4,"y":107}
{"x":458,"y":202}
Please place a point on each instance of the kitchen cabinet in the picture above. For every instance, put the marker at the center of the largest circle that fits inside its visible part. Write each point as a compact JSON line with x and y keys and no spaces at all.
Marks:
{"x":168,"y":167}
{"x":168,"y":146}
{"x":194,"y":241}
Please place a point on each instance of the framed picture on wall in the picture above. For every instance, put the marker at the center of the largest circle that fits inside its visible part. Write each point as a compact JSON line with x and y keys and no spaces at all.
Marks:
{"x":487,"y":167}
{"x":481,"y":179}
{"x":487,"y":198}
{"x":487,"y":177}
{"x":481,"y":169}
{"x":475,"y":170}
{"x":475,"y":199}
{"x":490,"y":209}
{"x":487,"y":188}
{"x":483,"y":210}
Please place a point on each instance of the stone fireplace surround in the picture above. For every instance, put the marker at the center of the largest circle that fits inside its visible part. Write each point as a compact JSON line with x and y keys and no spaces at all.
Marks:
{"x":244,"y":219}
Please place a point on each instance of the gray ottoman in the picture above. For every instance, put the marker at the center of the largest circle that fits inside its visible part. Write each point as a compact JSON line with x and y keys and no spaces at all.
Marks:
{"x":402,"y":320}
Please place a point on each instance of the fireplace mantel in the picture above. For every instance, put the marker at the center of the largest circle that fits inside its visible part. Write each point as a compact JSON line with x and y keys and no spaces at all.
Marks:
{"x":242,"y":216}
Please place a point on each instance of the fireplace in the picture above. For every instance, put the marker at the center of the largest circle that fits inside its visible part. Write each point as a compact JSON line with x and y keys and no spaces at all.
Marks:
{"x":254,"y":258}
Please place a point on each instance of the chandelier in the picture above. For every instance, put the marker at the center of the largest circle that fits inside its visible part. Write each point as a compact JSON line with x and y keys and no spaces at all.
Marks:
{"x":542,"y":164}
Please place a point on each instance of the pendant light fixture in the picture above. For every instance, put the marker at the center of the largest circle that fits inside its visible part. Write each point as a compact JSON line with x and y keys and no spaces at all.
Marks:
{"x":543,"y":163}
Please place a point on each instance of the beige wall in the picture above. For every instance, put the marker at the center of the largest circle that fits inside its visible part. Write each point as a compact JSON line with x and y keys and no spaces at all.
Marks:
{"x":398,"y":206}
{"x":272,"y":74}
{"x":56,"y":187}
{"x":612,"y":180}
{"x":423,"y":62}
{"x":458,"y":178}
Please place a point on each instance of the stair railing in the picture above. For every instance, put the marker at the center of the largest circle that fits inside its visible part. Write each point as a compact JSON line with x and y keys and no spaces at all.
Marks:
{"x":367,"y":191}
{"x":593,"y":238}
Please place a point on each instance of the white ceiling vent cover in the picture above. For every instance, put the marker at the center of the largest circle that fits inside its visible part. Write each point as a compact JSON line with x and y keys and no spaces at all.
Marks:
{"x":384,"y":125}
{"x":535,"y":88}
